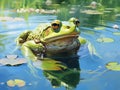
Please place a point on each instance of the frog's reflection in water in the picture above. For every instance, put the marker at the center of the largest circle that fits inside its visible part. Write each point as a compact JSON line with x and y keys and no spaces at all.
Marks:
{"x":68,"y":77}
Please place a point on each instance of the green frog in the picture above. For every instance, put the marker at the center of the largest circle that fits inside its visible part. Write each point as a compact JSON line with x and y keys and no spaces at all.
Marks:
{"x":51,"y":40}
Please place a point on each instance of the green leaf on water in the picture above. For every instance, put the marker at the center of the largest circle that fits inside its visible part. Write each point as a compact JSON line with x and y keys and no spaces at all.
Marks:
{"x":10,"y":83}
{"x":99,"y":28}
{"x":90,"y":32}
{"x":105,"y":40}
{"x":115,"y":66}
{"x":116,"y":33}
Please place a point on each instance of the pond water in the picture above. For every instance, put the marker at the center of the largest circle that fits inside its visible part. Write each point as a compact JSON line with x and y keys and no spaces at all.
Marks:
{"x":86,"y":72}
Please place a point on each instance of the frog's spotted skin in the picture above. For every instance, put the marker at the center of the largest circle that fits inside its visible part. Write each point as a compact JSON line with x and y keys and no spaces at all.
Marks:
{"x":66,"y":41}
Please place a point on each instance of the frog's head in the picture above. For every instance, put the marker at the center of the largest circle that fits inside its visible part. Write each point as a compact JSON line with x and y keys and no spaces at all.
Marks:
{"x":64,"y":31}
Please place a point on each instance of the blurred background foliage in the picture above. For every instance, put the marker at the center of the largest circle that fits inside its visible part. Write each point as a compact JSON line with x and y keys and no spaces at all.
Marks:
{"x":66,"y":8}
{"x":15,"y":4}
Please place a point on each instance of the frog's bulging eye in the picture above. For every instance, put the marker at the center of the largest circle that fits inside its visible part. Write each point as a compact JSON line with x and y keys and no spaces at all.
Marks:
{"x":54,"y":24}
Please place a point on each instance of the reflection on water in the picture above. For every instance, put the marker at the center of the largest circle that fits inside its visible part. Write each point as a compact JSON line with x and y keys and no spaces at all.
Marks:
{"x":69,"y":77}
{"x":2,"y":46}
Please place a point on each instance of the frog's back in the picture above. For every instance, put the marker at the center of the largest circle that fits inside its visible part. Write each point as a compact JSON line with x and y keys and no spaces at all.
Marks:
{"x":36,"y":34}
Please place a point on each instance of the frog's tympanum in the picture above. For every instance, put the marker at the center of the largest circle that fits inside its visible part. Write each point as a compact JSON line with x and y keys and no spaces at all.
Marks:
{"x":53,"y":40}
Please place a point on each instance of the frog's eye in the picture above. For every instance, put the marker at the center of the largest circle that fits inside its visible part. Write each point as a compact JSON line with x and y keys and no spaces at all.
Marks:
{"x":54,"y":24}
{"x":77,"y":22}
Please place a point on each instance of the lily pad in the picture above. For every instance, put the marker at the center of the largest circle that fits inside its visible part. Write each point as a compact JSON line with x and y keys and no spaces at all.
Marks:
{"x":11,"y":83}
{"x":105,"y":40}
{"x":117,"y":33}
{"x":49,"y":64}
{"x":90,"y":32}
{"x":99,"y":28}
{"x":115,"y":66}
{"x":12,"y":60}
{"x":18,"y":82}
{"x":93,"y":12}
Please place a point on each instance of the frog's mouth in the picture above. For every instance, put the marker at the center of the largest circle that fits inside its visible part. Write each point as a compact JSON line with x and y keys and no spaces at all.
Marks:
{"x":61,"y":37}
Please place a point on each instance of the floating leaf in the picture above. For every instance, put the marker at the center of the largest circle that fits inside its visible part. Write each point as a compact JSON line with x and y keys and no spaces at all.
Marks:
{"x":107,"y":11}
{"x":110,"y":9}
{"x":11,"y":56}
{"x":19,"y":83}
{"x":11,"y":83}
{"x":12,"y":60}
{"x":107,"y":40}
{"x":90,"y":32}
{"x":113,"y":66}
{"x":93,"y":12}
{"x":49,"y":64}
{"x":116,"y":33}
{"x":99,"y":28}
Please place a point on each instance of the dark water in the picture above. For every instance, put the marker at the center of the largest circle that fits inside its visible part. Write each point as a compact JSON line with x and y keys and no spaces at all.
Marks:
{"x":85,"y":72}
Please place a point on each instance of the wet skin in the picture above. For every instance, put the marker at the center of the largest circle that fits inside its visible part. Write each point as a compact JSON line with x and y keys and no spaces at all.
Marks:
{"x":64,"y":41}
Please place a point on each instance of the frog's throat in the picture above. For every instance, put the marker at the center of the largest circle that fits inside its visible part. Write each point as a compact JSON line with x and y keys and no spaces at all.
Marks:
{"x":51,"y":39}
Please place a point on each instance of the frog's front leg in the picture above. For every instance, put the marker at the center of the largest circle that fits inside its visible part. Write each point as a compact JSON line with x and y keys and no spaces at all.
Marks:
{"x":22,"y":37}
{"x":31,"y":50}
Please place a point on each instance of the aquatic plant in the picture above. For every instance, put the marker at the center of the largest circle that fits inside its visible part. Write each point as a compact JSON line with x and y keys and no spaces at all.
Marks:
{"x":114,"y":66}
{"x":12,"y":60}
{"x":16,"y":82}
{"x":105,"y":40}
